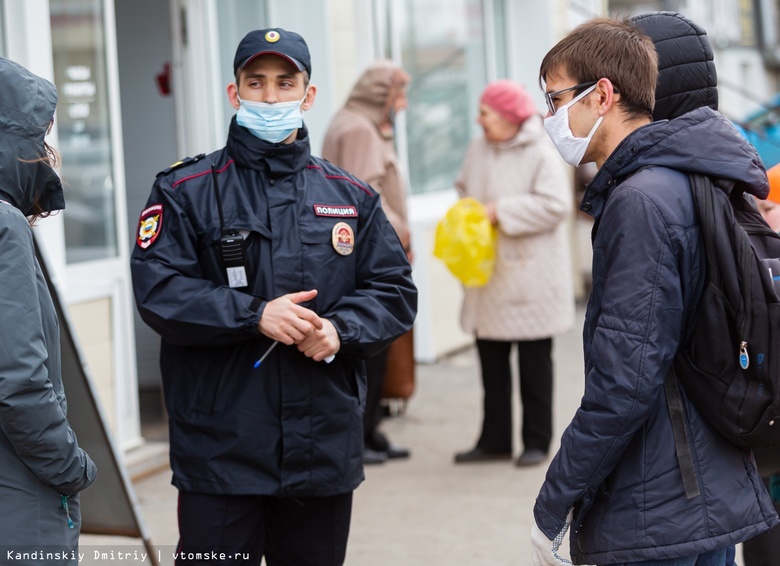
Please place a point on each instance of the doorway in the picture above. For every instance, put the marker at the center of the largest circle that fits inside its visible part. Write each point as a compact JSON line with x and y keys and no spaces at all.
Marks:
{"x":149,"y":134}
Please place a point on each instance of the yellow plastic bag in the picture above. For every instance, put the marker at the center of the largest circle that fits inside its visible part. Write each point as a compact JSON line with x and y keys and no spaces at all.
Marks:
{"x":466,"y":242}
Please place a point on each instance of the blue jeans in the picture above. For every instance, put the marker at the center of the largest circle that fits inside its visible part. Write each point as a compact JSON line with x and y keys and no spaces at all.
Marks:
{"x":721,"y":557}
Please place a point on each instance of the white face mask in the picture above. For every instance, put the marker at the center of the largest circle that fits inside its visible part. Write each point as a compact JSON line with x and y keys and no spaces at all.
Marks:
{"x":572,"y":149}
{"x":271,"y":122}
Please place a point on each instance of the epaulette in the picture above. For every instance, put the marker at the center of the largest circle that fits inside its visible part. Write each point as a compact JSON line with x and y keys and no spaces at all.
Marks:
{"x":182,"y":163}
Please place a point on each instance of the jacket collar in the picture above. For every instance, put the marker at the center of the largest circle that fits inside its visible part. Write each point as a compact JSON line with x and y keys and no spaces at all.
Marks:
{"x":274,"y":159}
{"x":617,"y":167}
{"x":700,"y":142}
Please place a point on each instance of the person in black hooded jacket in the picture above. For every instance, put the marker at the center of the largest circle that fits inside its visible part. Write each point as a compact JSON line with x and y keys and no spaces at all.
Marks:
{"x":687,"y":80}
{"x":616,"y":479}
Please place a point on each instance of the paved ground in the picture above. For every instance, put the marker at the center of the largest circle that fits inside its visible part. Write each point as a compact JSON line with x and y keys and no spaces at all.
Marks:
{"x":425,"y":511}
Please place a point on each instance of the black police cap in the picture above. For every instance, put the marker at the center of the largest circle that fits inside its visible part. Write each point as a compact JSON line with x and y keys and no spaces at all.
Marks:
{"x":275,"y":41}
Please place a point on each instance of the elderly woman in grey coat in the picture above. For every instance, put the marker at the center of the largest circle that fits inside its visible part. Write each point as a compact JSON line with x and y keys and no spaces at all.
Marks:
{"x":517,"y":174}
{"x":42,"y":468}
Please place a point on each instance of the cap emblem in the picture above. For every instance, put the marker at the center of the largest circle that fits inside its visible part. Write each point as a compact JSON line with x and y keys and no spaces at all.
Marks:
{"x":272,"y":36}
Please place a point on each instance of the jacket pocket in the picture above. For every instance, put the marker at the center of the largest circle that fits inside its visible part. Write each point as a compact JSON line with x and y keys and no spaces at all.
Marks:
{"x":330,"y":247}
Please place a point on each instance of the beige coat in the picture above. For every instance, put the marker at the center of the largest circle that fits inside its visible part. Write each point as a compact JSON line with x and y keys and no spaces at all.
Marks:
{"x":530,"y":295}
{"x":360,"y":140}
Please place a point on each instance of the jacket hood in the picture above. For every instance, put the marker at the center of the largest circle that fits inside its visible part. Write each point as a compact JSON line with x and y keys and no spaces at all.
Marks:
{"x":687,"y":78}
{"x":27,"y":110}
{"x":376,"y":88}
{"x":700,"y":142}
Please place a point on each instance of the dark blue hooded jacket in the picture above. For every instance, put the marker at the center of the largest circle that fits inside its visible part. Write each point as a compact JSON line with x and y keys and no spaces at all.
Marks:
{"x":617,"y":466}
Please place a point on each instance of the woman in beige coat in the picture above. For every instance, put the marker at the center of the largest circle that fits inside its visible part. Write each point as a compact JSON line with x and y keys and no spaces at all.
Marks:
{"x":515,"y":171}
{"x":360,"y":139}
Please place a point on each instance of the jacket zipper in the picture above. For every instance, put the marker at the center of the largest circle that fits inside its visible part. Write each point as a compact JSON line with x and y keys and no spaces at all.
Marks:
{"x":64,"y":499}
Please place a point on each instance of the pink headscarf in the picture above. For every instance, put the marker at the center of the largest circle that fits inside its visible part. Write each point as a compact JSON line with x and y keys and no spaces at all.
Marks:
{"x":510,"y":100}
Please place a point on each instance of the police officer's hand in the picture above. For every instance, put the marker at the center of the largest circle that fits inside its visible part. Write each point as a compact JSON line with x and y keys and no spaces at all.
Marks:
{"x":288,"y":322}
{"x":321,"y":343}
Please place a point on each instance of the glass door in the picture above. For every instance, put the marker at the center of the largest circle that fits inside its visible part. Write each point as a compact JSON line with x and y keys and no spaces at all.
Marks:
{"x":78,"y":47}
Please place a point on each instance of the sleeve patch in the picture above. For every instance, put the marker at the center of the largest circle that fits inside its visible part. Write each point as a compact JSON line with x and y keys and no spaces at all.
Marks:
{"x":149,"y":226}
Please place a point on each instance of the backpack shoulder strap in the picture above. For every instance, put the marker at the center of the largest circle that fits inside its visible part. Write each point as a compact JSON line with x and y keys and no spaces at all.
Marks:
{"x":728,"y":253}
{"x":682,"y":439}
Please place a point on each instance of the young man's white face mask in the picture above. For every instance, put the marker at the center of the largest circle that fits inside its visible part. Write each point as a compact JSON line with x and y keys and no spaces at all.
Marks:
{"x":571,"y":148}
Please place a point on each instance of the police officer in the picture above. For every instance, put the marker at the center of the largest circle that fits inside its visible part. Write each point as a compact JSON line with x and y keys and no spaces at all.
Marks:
{"x":260,"y":248}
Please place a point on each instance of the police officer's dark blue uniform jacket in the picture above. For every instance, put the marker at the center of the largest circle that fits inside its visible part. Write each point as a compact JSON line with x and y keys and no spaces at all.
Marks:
{"x":617,"y":465}
{"x":292,"y":426}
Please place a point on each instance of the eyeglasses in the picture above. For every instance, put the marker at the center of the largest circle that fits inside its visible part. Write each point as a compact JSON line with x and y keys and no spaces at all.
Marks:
{"x":548,"y":97}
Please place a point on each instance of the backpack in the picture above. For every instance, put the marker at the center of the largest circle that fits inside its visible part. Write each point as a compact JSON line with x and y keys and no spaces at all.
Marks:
{"x":729,"y":362}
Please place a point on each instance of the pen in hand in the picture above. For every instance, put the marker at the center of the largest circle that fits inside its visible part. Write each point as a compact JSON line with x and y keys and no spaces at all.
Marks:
{"x":265,"y":355}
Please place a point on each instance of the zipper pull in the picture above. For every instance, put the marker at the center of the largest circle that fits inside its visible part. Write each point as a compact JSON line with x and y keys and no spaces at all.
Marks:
{"x":64,"y":499}
{"x":744,"y":359}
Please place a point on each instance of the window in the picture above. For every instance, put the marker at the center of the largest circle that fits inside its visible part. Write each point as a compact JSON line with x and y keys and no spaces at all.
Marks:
{"x":78,"y":45}
{"x":236,"y":19}
{"x":2,"y":29}
{"x":443,"y":44}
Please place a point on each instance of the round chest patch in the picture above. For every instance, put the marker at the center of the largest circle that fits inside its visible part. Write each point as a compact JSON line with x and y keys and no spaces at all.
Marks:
{"x":343,"y":238}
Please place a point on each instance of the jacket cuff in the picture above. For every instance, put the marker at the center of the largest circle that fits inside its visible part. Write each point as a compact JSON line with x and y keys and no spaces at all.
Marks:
{"x":258,"y":305}
{"x":548,"y":523}
{"x":341,"y":327}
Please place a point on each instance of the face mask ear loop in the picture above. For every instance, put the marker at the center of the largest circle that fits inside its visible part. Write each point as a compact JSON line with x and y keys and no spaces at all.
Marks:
{"x":305,"y":94}
{"x":593,"y":129}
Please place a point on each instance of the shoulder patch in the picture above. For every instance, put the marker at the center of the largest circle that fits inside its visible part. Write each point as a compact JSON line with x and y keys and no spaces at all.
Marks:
{"x":182,"y":163}
{"x":149,"y":226}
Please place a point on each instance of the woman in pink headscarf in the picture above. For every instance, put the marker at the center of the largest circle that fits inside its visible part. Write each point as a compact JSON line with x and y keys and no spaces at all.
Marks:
{"x":515,"y":171}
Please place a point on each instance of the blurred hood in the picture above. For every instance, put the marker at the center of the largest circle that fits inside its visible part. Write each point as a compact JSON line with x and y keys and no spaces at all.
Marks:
{"x":376,"y":88}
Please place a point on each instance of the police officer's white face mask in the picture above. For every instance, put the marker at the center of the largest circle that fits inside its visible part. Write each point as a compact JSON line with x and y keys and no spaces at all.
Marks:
{"x":271,"y":122}
{"x":572,"y":149}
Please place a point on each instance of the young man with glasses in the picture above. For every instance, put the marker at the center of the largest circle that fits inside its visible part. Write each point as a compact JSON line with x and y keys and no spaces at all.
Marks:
{"x":616,"y":478}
